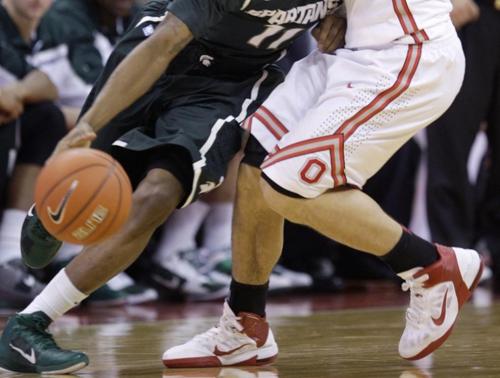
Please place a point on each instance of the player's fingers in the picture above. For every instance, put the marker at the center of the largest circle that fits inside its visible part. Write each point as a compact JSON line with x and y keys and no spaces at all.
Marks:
{"x":76,"y":138}
{"x":325,"y":29}
{"x":335,"y":44}
{"x":335,"y":37}
{"x":82,"y":139}
{"x":61,"y":146}
{"x":339,"y":35}
{"x":474,"y":11}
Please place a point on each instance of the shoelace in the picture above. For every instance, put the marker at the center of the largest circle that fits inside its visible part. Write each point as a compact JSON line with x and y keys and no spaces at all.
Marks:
{"x":418,"y":299}
{"x":40,"y":335}
{"x":221,"y":333}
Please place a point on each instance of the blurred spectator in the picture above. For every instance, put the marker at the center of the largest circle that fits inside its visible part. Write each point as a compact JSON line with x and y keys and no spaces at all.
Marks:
{"x":82,"y":34}
{"x":77,"y":38}
{"x":30,"y":126}
{"x":69,"y":45}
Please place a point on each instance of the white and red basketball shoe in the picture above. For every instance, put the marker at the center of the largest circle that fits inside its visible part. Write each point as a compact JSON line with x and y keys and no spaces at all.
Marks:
{"x":437,"y":294}
{"x":243,"y":340}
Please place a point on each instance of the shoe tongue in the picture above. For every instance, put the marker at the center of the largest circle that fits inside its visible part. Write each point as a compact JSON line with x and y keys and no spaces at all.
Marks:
{"x":228,"y":310}
{"x":409,"y":274}
{"x":41,"y":319}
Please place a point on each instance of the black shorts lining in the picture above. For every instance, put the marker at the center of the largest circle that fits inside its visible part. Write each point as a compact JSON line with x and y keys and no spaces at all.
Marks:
{"x":280,"y":189}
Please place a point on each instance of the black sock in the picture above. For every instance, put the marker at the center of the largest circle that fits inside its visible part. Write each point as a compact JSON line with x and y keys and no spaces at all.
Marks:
{"x":248,"y":298}
{"x":410,"y":252}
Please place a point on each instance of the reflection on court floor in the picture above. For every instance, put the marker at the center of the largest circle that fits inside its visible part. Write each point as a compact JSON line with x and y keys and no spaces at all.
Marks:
{"x":360,"y":342}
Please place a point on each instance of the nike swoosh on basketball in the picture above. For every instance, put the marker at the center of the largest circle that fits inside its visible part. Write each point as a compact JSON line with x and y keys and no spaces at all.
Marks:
{"x":439,"y":321}
{"x":221,"y":353}
{"x":30,"y":357}
{"x":58,"y":215}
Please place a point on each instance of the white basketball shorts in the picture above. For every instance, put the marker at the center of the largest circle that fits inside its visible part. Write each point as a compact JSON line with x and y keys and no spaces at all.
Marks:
{"x":337,"y":119}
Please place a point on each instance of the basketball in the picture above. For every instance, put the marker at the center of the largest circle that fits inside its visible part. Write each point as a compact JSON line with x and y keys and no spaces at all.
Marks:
{"x":83,"y":196}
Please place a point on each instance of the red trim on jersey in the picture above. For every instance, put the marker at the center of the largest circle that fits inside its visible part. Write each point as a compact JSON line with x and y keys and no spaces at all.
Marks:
{"x":402,"y":21}
{"x":407,"y":21}
{"x":410,"y":15}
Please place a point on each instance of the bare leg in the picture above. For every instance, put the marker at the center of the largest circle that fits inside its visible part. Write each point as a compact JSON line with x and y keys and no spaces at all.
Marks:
{"x":257,"y":231}
{"x":22,"y":186}
{"x":346,"y":215}
{"x":96,"y":264}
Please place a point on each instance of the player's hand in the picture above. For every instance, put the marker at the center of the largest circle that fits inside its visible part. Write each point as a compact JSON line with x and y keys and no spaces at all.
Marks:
{"x":330,"y":33}
{"x":11,"y":106}
{"x":81,"y":136}
{"x":464,"y":11}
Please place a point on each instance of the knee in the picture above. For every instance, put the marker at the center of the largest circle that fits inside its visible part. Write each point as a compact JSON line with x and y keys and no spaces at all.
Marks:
{"x":47,"y":113}
{"x":154,"y":200}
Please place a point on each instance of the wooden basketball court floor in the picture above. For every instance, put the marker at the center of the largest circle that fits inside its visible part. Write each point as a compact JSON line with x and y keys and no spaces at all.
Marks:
{"x":353,"y":334}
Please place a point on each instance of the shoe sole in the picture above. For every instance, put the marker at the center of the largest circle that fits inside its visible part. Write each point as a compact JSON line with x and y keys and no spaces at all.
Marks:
{"x":212,"y":361}
{"x":21,"y":369}
{"x":67,"y":370}
{"x":437,"y":343}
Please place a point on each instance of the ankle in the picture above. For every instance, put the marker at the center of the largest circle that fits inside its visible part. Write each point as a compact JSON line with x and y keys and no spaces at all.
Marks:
{"x":58,"y":297}
{"x":410,"y":252}
{"x":248,"y":298}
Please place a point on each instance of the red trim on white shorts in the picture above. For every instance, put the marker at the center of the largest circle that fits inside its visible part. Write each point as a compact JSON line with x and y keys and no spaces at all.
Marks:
{"x":384,"y":98}
{"x":335,"y":143}
{"x":331,"y":143}
{"x":271,"y":122}
{"x":275,"y":121}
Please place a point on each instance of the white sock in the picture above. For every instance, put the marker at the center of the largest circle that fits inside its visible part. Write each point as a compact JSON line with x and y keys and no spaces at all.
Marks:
{"x":58,"y":297}
{"x":217,"y":232}
{"x":180,"y":231}
{"x":10,"y":234}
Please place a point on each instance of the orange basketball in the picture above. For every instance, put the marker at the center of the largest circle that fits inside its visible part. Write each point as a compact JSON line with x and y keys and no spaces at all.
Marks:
{"x":83,"y":196}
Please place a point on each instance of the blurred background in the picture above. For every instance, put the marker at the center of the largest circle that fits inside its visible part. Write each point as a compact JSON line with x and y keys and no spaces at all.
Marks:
{"x":444,"y":185}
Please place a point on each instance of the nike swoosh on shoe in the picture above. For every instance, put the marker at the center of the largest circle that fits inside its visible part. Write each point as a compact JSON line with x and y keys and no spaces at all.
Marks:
{"x":220,"y":353}
{"x":30,"y":357}
{"x":440,"y":320}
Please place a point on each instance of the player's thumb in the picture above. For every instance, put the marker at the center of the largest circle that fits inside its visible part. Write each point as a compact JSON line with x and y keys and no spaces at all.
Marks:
{"x":82,"y":140}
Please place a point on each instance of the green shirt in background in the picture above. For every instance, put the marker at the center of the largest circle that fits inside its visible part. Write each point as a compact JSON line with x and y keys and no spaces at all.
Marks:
{"x":89,"y":43}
